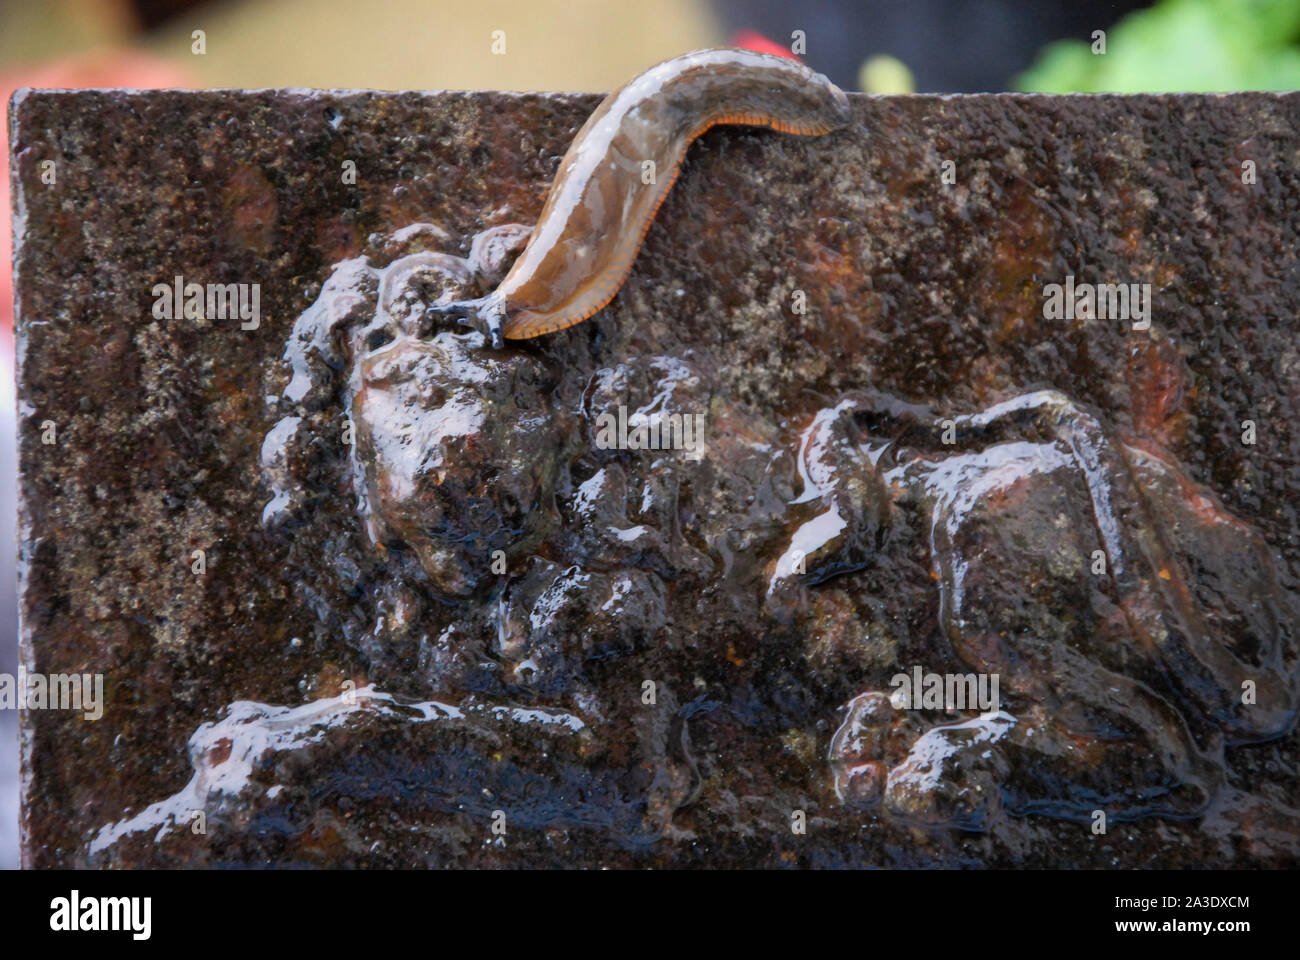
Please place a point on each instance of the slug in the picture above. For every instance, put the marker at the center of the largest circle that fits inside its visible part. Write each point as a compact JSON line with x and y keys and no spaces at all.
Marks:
{"x":598,"y":209}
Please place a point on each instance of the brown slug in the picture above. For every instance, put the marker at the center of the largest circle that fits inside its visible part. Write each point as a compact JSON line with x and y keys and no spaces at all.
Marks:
{"x":599,"y":209}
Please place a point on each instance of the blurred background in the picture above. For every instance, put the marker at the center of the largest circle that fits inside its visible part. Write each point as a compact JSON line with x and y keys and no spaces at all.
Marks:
{"x":877,"y":46}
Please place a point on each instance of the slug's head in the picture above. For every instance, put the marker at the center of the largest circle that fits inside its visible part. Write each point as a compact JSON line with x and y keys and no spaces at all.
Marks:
{"x":487,"y":315}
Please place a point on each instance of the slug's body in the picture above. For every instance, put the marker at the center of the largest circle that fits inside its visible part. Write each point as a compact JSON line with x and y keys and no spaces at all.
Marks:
{"x":600,"y":207}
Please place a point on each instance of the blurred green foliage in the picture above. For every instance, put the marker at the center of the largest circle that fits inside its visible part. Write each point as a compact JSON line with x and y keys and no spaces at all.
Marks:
{"x":1181,"y":45}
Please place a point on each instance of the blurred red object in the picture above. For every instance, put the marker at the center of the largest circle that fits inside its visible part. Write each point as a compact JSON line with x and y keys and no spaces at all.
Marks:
{"x":753,"y":40}
{"x":119,"y":68}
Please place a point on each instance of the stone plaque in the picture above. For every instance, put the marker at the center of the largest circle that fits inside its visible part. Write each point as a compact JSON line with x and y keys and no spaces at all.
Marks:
{"x":928,"y":495}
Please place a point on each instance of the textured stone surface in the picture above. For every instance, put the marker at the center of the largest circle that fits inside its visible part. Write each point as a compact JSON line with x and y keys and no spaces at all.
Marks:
{"x":918,"y":294}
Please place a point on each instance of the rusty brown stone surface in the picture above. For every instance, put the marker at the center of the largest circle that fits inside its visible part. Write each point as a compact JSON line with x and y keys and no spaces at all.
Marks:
{"x":924,"y":303}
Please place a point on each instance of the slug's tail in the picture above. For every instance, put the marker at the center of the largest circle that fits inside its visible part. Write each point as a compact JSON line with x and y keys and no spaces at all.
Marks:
{"x":484,"y":314}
